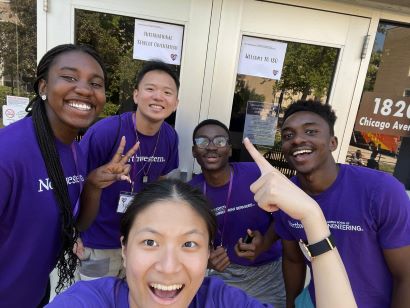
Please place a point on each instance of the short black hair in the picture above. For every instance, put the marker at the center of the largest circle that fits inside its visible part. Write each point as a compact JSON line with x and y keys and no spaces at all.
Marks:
{"x":156,"y":65}
{"x":323,"y":110}
{"x":210,"y":122}
{"x":169,"y":190}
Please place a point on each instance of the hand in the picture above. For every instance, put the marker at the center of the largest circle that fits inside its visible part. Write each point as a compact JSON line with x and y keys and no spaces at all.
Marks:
{"x":117,"y":169}
{"x":254,"y":249}
{"x":218,"y":259}
{"x":79,"y":250}
{"x":274,"y":191}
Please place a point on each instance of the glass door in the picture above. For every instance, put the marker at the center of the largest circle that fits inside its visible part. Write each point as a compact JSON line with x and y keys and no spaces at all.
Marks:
{"x":108,"y":25}
{"x":321,"y":62}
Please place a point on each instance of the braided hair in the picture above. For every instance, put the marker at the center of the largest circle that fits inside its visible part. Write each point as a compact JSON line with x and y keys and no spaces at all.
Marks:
{"x":67,"y":259}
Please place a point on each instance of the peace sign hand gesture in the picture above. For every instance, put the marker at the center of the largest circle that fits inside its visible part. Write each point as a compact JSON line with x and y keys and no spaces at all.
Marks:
{"x":117,"y":169}
{"x":275,"y":191}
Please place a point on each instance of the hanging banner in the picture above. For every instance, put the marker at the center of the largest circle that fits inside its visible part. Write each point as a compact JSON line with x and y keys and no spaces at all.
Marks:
{"x":261,"y":57}
{"x":260,"y":123}
{"x":159,"y":41}
{"x":384,"y":114}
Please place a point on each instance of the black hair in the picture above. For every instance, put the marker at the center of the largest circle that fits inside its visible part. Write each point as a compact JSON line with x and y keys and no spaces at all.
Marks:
{"x":323,"y":110}
{"x":210,"y":122}
{"x":165,"y":190}
{"x":67,"y":260}
{"x":156,"y":65}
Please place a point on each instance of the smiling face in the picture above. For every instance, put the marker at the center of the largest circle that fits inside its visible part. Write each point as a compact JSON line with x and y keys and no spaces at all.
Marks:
{"x":156,"y":96}
{"x":212,"y":158}
{"x":75,"y":92}
{"x":166,"y":255}
{"x":307,"y":143}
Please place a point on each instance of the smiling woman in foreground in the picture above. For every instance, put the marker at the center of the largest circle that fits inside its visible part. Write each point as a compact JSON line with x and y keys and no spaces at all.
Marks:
{"x":166,"y":241}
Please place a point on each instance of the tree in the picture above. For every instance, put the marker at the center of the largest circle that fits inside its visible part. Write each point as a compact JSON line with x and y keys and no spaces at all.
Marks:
{"x":307,"y":69}
{"x":18,"y":45}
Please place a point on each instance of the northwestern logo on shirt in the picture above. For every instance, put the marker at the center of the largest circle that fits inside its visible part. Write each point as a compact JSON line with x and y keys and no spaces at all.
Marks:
{"x":148,"y":159}
{"x":339,"y":225}
{"x":46,"y":183}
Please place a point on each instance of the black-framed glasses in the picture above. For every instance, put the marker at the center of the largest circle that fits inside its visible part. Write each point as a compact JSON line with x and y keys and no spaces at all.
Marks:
{"x":218,"y":141}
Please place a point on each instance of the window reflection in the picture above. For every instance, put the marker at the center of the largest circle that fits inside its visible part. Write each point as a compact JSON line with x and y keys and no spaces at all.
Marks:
{"x":384,"y":111}
{"x":307,"y":73}
{"x":113,"y":37}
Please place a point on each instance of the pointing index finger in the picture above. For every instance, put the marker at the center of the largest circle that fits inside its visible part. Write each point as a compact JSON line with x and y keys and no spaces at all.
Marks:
{"x":262,"y":163}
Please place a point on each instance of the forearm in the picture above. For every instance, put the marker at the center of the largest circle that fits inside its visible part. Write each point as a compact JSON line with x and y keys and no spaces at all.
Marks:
{"x":270,"y":236}
{"x":89,"y":206}
{"x":332,"y":287}
{"x":401,"y":294}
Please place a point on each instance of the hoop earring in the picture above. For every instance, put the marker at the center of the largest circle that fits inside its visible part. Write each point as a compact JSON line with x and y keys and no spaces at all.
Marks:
{"x":43,"y":97}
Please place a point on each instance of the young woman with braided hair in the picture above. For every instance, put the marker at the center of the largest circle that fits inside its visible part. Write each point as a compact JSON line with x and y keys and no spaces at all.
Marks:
{"x":43,"y":172}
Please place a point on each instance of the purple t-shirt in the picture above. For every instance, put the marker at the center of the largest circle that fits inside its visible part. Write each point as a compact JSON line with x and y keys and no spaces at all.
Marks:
{"x":29,"y":214}
{"x":113,"y":292}
{"x":156,"y":156}
{"x":243,"y":213}
{"x":367,"y":211}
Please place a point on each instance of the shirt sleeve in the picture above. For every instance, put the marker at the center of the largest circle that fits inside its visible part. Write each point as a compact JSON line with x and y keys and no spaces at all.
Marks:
{"x":391,"y":212}
{"x":96,"y":145}
{"x":5,"y":193}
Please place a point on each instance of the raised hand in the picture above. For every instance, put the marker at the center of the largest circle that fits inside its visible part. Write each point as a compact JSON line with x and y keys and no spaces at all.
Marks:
{"x":252,"y":250}
{"x":218,"y":259}
{"x":275,"y":191}
{"x":117,"y":169}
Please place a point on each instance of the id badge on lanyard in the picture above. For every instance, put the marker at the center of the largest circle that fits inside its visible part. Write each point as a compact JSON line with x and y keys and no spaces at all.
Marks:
{"x":125,"y":200}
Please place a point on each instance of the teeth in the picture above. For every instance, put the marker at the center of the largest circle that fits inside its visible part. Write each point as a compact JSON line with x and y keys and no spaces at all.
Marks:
{"x":80,"y":106}
{"x":301,"y":152}
{"x":165,"y":287}
{"x":157,"y":106}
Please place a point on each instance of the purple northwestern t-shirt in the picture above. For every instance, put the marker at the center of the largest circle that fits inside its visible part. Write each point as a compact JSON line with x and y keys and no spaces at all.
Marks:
{"x":367,"y":211}
{"x":29,"y":214}
{"x":113,"y":292}
{"x":156,"y":156}
{"x":243,"y":213}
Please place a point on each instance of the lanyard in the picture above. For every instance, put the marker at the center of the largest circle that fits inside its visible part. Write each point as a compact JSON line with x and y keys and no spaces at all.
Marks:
{"x":77,"y":205}
{"x":228,"y":199}
{"x":134,"y":173}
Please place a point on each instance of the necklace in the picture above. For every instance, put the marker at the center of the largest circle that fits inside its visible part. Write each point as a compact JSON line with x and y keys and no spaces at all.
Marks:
{"x":147,"y":162}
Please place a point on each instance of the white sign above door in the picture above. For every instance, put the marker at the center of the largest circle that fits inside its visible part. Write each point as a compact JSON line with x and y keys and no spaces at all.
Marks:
{"x":157,"y":40}
{"x":261,"y":57}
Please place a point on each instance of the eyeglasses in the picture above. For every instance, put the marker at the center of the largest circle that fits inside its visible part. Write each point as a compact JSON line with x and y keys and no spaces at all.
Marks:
{"x":218,"y":141}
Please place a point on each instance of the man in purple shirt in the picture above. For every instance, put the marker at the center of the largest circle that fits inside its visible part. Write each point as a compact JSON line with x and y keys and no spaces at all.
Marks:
{"x":368,"y":212}
{"x":254,"y":266}
{"x":156,"y":95}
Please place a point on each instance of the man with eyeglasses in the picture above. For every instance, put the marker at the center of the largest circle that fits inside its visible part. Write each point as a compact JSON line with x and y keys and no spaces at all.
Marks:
{"x":245,"y":253}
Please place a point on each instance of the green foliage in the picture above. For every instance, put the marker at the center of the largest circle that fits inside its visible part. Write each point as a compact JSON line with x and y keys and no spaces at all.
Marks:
{"x":243,"y":94}
{"x":18,"y":45}
{"x":109,"y":110}
{"x":372,"y":70}
{"x":112,"y":36}
{"x":307,"y":69}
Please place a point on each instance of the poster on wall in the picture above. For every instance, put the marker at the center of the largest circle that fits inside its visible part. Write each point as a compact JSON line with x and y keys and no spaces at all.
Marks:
{"x":157,"y":40}
{"x":261,"y":57}
{"x":388,"y":115}
{"x":261,"y":121}
{"x":15,"y":109}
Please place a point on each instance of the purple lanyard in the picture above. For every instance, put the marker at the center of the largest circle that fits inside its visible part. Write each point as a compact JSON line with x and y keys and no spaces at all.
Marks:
{"x":228,"y":199}
{"x":134,"y":165}
{"x":77,"y":205}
